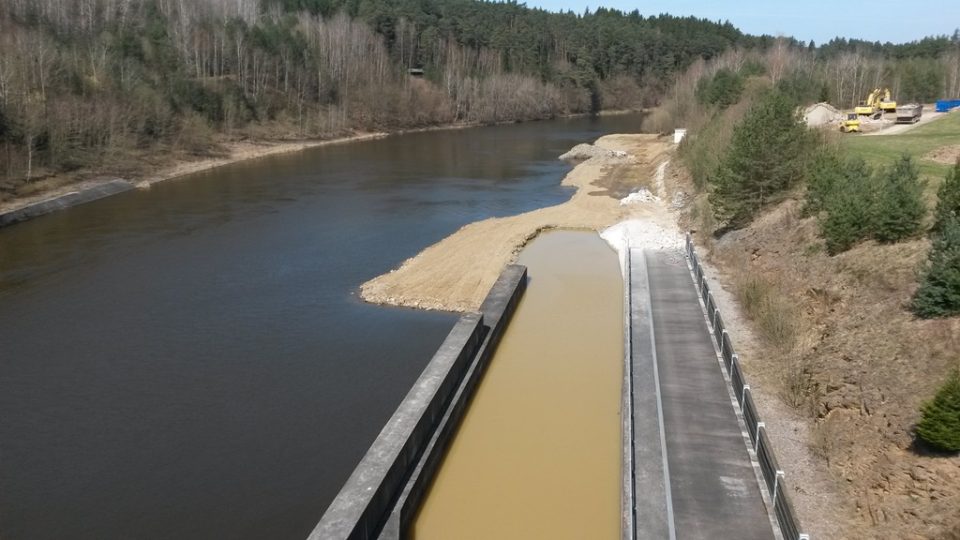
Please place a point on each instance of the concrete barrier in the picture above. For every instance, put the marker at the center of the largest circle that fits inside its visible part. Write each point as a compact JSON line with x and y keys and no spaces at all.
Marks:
{"x":381,"y":497}
{"x":65,"y":201}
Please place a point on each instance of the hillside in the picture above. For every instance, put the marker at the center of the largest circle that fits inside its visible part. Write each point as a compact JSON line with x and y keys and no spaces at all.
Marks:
{"x":108,"y":87}
{"x":830,"y":344}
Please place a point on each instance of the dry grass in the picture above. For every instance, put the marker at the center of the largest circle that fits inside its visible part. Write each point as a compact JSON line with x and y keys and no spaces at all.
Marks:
{"x":619,"y":179}
{"x":786,"y":338}
{"x":773,"y":314}
{"x":788,"y":343}
{"x":800,"y":388}
{"x":888,"y":269}
{"x":701,"y":218}
{"x":752,"y":293}
{"x":835,"y":336}
{"x":824,"y":441}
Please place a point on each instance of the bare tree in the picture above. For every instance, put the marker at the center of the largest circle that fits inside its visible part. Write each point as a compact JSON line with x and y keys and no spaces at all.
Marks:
{"x":778,"y":58}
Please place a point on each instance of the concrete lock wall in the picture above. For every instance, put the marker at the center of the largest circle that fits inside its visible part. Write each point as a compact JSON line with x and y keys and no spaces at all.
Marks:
{"x":382,"y":495}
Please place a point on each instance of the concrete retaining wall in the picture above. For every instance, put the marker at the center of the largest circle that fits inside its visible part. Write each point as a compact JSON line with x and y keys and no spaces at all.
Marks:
{"x":381,"y":497}
{"x":65,"y":201}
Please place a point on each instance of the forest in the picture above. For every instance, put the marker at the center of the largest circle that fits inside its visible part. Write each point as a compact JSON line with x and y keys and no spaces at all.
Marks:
{"x":93,"y":86}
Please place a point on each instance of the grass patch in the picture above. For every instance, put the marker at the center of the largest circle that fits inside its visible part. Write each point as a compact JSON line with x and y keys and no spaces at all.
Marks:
{"x":778,"y":325}
{"x":773,"y":315}
{"x":799,"y":385}
{"x":881,"y":149}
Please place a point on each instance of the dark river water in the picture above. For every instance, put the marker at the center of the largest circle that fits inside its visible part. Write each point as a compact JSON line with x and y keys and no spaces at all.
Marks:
{"x":193,"y":361}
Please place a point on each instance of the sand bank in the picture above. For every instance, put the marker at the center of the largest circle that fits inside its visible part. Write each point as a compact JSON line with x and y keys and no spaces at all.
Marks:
{"x":455,"y":273}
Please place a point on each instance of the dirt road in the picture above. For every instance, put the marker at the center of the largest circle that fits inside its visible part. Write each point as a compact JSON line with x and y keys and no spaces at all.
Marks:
{"x":888,"y":127}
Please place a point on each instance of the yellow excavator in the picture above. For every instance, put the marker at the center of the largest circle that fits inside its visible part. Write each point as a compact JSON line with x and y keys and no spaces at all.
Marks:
{"x":877,"y":103}
{"x":851,"y":124}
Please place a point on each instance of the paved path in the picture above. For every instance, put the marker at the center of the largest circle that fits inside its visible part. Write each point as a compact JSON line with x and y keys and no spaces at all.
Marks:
{"x":693,"y":477}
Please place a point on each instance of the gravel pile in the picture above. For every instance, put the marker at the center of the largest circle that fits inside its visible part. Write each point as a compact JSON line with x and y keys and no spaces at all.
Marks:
{"x":641,"y":233}
{"x":583,"y":152}
{"x":821,"y":114}
{"x":643,"y":195}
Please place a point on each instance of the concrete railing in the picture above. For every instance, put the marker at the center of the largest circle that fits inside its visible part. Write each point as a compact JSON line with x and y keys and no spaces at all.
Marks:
{"x":773,"y":476}
{"x":383,"y":494}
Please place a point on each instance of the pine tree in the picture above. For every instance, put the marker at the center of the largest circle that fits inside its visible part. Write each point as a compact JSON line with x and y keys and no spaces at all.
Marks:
{"x":766,"y":156}
{"x":824,"y":93}
{"x":899,"y":210}
{"x":940,"y":422}
{"x":848,"y":206}
{"x":723,"y":89}
{"x":948,"y":198}
{"x":939,"y":292}
{"x":829,"y":174}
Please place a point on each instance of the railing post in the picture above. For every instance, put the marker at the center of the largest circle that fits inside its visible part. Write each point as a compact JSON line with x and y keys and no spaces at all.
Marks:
{"x":722,"y":341}
{"x":743,"y":394}
{"x":803,"y":537}
{"x":716,"y":315}
{"x":756,"y":444}
{"x":776,"y":484}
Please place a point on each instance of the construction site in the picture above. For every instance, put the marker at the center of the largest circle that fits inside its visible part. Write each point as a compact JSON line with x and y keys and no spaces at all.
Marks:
{"x":878,"y":113}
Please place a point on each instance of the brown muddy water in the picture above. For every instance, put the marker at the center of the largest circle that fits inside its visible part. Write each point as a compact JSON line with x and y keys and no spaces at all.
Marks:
{"x":538,"y":453}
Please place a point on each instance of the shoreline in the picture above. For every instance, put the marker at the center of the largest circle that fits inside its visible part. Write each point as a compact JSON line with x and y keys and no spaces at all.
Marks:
{"x":249,"y":151}
{"x":72,"y":193}
{"x":455,"y":273}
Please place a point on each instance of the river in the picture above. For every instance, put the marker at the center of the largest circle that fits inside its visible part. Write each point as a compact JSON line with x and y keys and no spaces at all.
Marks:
{"x":192,"y":361}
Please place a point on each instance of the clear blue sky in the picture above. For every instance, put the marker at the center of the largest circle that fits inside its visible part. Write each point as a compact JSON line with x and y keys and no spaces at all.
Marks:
{"x":819,"y":20}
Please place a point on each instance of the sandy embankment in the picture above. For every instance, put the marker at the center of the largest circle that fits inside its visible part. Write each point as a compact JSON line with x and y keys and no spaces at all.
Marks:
{"x":455,"y":273}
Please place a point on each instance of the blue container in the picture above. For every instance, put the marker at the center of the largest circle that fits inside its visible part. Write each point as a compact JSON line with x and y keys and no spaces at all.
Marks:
{"x":945,"y":105}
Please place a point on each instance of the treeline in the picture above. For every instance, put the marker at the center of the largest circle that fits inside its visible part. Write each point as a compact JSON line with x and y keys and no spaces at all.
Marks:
{"x":928,"y":47}
{"x":842,"y":73}
{"x":87,"y":83}
{"x":93,"y":85}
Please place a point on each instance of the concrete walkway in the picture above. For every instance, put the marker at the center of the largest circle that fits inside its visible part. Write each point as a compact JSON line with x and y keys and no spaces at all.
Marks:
{"x":692,"y":473}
